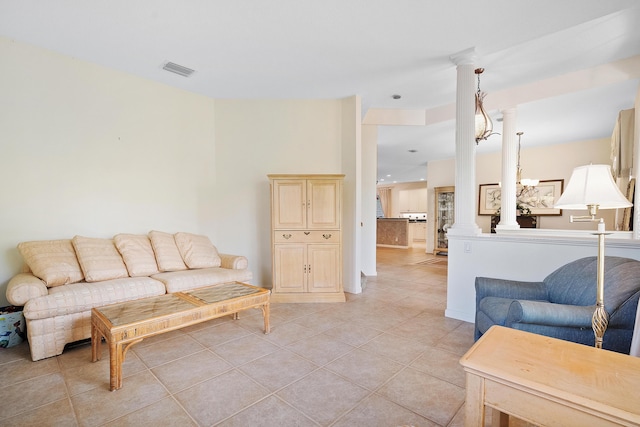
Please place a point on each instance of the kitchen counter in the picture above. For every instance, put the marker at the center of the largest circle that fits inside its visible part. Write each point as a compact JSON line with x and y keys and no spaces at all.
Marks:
{"x":393,"y":232}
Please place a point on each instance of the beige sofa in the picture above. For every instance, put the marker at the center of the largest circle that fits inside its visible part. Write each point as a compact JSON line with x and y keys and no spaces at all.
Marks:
{"x":65,"y":279}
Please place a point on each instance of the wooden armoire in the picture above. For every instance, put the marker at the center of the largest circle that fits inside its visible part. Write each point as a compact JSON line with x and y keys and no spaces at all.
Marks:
{"x":306,"y":235}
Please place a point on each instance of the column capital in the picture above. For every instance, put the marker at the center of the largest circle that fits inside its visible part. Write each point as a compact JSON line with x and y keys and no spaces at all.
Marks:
{"x":465,"y":57}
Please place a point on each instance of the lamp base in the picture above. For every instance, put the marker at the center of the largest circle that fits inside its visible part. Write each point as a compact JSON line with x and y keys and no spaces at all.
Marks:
{"x":599,"y":322}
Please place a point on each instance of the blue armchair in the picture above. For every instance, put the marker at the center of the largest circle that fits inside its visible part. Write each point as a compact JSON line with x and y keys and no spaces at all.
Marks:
{"x":561,"y":306}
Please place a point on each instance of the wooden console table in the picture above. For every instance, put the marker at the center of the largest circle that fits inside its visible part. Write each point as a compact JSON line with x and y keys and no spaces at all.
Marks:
{"x":549,"y":382}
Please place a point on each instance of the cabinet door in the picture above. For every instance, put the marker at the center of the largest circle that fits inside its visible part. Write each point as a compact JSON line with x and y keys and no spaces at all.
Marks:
{"x":421,"y":196}
{"x":289,"y":204}
{"x":323,"y":197}
{"x":324,"y":269}
{"x":290,"y":269}
{"x":404,"y":199}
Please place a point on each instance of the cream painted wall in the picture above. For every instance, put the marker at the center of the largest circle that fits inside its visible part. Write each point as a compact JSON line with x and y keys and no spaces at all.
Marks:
{"x":95,"y":152}
{"x":258,"y":137}
{"x":351,"y":142}
{"x":369,"y":205}
{"x":91,"y":151}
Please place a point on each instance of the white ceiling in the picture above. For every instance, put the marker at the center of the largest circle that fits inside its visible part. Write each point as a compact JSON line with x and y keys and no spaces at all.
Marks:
{"x":545,"y":57}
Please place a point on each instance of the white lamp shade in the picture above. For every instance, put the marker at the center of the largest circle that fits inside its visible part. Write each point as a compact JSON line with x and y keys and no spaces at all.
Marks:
{"x":592,"y":185}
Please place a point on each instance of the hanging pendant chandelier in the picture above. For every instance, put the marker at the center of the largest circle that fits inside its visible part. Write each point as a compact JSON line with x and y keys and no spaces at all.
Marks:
{"x":484,"y":125}
{"x":524,"y":182}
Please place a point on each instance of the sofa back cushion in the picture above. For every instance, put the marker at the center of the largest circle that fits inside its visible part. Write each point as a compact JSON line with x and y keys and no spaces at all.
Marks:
{"x":137,"y":254}
{"x":197,"y":251}
{"x":99,"y":259}
{"x":52,"y":261}
{"x":167,"y":254}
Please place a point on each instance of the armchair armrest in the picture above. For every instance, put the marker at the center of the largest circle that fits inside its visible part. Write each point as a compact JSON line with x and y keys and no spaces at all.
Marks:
{"x":23,"y":287}
{"x":513,"y":289}
{"x":234,"y":262}
{"x":550,"y":314}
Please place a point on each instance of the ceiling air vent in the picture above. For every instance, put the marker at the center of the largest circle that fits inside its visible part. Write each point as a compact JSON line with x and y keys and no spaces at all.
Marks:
{"x":178,"y":69}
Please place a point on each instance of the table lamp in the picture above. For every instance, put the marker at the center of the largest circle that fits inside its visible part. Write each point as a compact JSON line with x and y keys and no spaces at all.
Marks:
{"x":592,"y":187}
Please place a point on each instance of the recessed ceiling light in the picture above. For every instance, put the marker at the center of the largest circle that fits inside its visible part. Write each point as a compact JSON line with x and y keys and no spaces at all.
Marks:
{"x":388,"y":176}
{"x":396,"y":96}
{"x":413,"y":151}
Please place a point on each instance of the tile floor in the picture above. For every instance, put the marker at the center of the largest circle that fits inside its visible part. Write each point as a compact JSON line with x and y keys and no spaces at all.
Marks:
{"x":386,"y":357}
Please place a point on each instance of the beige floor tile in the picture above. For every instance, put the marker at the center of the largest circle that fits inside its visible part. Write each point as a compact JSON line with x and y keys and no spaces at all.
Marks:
{"x":207,"y":324}
{"x":459,"y":340}
{"x":323,"y":396}
{"x":165,"y":413}
{"x":17,"y":352}
{"x":245,"y":349}
{"x":98,"y":406}
{"x":23,"y":369}
{"x":317,"y":322}
{"x":365,"y":368}
{"x":83,"y":375}
{"x":253,"y":324}
{"x":428,"y":396}
{"x":219,"y":334}
{"x":189,"y":370}
{"x":54,"y":414}
{"x":167,"y":350}
{"x":214,"y":400}
{"x":355,"y":334}
{"x":320,"y":349}
{"x":278,"y":369}
{"x":375,"y":411}
{"x":286,"y":333}
{"x":441,"y":364}
{"x":270,"y":412}
{"x":31,"y":394}
{"x":400,"y":349}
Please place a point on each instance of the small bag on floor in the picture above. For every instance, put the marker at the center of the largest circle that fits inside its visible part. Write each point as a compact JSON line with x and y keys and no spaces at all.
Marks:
{"x":12,"y":326}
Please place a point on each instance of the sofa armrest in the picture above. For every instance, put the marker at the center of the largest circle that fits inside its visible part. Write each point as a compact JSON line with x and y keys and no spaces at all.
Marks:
{"x":549,"y":314}
{"x":512,"y":289}
{"x":234,"y":262}
{"x":23,"y":287}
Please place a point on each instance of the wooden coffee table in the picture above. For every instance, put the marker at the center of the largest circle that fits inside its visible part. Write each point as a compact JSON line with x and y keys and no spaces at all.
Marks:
{"x":125,"y":324}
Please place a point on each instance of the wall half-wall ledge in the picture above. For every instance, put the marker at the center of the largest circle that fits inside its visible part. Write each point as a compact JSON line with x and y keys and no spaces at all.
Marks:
{"x":528,"y":255}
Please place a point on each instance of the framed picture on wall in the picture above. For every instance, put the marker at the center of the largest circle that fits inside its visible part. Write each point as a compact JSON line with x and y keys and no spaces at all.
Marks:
{"x":539,"y":200}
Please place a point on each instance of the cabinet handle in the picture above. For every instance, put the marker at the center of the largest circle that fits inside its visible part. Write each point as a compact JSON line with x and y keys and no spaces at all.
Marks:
{"x":306,"y":233}
{"x":286,"y":236}
{"x":326,"y":236}
{"x":309,"y":269}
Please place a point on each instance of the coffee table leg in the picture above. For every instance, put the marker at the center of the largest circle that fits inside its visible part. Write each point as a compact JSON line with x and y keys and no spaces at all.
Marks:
{"x":265,"y":314}
{"x":115,"y":366}
{"x":96,"y":341}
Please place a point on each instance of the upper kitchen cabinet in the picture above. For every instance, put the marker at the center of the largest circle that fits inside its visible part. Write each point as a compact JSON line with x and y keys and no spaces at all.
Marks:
{"x":305,"y":202}
{"x":413,"y":200}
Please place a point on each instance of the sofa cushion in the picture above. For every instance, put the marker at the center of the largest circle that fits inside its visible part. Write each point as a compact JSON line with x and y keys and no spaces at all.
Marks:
{"x":80,"y":297}
{"x":52,"y":261}
{"x":167,"y":253}
{"x":99,"y":259}
{"x":137,"y":254}
{"x":197,"y":251}
{"x":178,"y":281}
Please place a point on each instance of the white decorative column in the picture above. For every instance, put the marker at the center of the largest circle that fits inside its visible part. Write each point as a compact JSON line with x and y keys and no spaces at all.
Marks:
{"x":509,"y":171}
{"x":465,"y":181}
